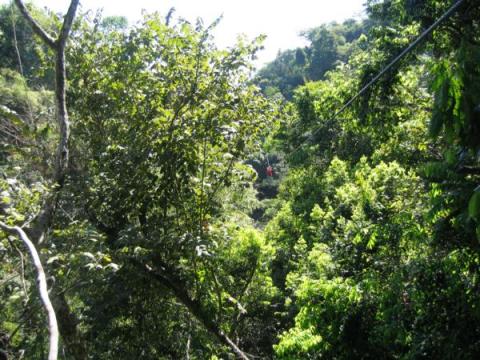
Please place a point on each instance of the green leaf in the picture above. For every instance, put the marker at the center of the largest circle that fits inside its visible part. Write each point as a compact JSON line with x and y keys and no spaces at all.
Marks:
{"x":52,"y":259}
{"x":474,"y":206}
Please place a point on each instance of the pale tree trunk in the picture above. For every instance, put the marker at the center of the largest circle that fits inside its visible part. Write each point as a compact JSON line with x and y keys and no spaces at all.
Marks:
{"x":42,"y":288}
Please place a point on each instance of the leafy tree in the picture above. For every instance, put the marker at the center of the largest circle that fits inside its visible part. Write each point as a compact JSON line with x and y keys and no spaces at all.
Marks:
{"x":163,"y":120}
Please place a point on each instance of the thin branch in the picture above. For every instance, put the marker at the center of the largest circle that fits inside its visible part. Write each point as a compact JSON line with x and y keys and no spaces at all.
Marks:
{"x":189,"y":340}
{"x":15,"y":42}
{"x":37,"y":29}
{"x":42,"y":288}
{"x":20,"y":65}
{"x":22,"y":261}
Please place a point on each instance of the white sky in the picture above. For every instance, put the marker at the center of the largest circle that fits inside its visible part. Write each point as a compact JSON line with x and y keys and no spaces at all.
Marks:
{"x":280,"y":20}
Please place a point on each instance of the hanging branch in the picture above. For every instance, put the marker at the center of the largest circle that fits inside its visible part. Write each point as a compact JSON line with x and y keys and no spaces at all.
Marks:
{"x":42,"y":288}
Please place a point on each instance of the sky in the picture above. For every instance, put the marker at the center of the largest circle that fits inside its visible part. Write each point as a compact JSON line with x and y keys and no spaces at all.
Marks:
{"x":280,"y":20}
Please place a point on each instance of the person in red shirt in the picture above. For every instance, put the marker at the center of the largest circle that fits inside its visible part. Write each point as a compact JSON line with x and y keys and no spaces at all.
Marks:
{"x":269,"y":171}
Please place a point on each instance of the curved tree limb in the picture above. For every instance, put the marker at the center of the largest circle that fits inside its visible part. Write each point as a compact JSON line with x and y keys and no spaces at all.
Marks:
{"x":35,"y":25}
{"x":194,"y":306}
{"x":42,"y":288}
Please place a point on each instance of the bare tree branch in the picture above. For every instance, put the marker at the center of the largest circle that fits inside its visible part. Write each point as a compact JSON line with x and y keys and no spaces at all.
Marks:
{"x":42,"y":288}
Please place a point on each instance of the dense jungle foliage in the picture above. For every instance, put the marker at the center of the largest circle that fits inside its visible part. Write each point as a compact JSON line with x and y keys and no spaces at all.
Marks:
{"x":171,"y":238}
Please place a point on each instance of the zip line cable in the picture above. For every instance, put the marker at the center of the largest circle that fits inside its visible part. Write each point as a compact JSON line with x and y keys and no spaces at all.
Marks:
{"x":409,"y":48}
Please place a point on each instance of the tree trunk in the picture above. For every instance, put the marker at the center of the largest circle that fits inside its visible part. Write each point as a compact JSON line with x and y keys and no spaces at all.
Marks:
{"x":67,"y":320}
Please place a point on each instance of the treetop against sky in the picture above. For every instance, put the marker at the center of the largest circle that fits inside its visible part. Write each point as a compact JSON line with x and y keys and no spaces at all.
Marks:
{"x":281,"y":21}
